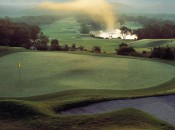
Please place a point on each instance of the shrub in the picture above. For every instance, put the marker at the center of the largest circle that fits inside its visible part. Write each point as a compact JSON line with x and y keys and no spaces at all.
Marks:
{"x":124,"y":49}
{"x":163,"y":52}
{"x":136,"y":54}
{"x":54,"y":45}
{"x":123,"y":45}
{"x":81,"y":48}
{"x":65,"y":48}
{"x":96,"y":49}
{"x":73,"y":47}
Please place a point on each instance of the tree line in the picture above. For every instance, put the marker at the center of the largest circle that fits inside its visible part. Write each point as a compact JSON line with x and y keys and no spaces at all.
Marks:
{"x":156,"y":31}
{"x":87,"y":24}
{"x":35,"y":20}
{"x":156,"y":52}
{"x":21,"y":34}
{"x":144,"y":20}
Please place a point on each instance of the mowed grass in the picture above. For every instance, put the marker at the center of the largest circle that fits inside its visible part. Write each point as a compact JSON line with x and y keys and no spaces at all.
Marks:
{"x":49,"y":72}
{"x":8,"y":50}
{"x":150,"y":43}
{"x":67,"y":32}
{"x":41,"y":112}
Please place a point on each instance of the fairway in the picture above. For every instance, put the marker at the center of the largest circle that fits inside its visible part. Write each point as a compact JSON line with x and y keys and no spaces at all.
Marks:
{"x":67,"y":32}
{"x":150,"y":43}
{"x":49,"y":72}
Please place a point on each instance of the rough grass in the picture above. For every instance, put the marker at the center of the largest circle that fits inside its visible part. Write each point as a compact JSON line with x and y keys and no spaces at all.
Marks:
{"x":48,"y":72}
{"x":150,"y":43}
{"x":119,"y":119}
{"x":126,"y":118}
{"x":8,"y":50}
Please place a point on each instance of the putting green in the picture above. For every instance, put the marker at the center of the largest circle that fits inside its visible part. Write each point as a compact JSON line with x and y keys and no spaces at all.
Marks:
{"x":49,"y":72}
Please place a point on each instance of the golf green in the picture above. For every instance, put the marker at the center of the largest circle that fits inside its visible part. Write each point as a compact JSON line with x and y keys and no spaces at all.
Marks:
{"x":49,"y":72}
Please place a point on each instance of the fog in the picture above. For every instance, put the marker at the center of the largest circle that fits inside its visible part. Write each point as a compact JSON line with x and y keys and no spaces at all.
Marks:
{"x":26,"y":7}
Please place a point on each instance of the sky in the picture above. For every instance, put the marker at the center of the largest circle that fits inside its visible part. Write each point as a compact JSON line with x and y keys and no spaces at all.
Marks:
{"x":133,"y":6}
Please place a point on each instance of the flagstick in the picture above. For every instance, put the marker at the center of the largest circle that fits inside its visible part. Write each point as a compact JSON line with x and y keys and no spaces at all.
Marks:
{"x":19,"y":73}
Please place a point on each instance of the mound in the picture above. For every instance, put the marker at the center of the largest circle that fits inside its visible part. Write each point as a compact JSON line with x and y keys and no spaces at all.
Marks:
{"x":17,"y":109}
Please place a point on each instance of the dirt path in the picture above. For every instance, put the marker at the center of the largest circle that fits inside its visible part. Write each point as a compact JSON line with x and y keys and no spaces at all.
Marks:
{"x":162,"y":107}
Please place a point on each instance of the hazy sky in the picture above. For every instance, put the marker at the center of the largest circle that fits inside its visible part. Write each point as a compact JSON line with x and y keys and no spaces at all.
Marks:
{"x":157,"y":6}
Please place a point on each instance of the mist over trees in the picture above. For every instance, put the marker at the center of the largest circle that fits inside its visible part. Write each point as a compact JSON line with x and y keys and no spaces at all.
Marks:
{"x":87,"y":24}
{"x":35,"y":20}
{"x":153,"y":28}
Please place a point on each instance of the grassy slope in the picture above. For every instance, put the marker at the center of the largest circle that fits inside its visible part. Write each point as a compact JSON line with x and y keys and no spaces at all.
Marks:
{"x":8,"y":50}
{"x":48,"y":72}
{"x":147,"y":44}
{"x":67,"y":32}
{"x":32,"y":117}
{"x":44,"y":105}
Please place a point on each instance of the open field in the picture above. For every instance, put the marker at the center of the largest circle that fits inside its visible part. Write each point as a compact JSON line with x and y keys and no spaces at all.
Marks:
{"x":49,"y":72}
{"x":67,"y":32}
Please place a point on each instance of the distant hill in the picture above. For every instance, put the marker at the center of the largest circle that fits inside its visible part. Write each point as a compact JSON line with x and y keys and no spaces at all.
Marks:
{"x":24,"y":7}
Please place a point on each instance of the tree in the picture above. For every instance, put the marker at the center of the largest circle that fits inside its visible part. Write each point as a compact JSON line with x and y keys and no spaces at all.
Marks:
{"x":84,"y":29}
{"x":35,"y":31}
{"x":96,"y":49}
{"x":125,"y":31}
{"x":19,"y":34}
{"x":42,"y":41}
{"x":124,"y":49}
{"x":54,"y":45}
{"x":163,"y":52}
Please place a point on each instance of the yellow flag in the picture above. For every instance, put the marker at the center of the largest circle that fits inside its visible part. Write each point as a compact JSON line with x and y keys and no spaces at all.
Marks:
{"x":19,"y":65}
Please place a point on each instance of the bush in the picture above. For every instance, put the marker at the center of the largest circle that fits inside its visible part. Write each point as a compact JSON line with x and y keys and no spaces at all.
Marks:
{"x":54,"y":45}
{"x":43,"y":47}
{"x":81,"y":48}
{"x":65,"y":48}
{"x":73,"y":47}
{"x":96,"y":49}
{"x":123,"y":45}
{"x":136,"y":54}
{"x":124,"y":49}
{"x":163,"y":52}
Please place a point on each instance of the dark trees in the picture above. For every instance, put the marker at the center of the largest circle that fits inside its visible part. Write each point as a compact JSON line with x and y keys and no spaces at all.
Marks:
{"x":54,"y":45}
{"x":124,"y":49}
{"x":163,"y":52}
{"x":156,"y":31}
{"x":20,"y":34}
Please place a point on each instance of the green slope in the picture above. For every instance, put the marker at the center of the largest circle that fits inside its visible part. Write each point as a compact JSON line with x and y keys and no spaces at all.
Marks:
{"x":67,"y":32}
{"x":149,"y":43}
{"x":49,"y":72}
